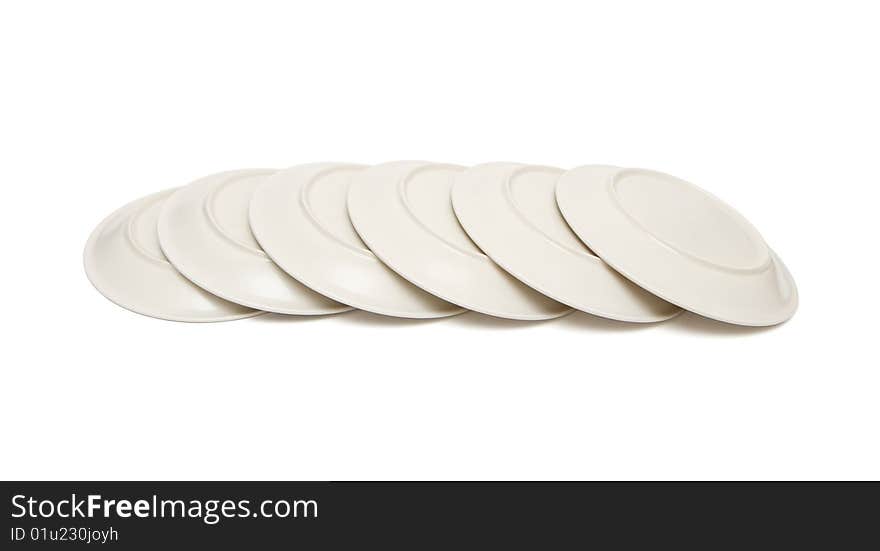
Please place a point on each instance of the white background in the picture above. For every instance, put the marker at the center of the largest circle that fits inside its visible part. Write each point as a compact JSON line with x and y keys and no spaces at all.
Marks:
{"x":773,"y":106}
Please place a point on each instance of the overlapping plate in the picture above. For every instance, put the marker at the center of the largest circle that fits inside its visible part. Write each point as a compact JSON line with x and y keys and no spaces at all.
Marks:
{"x":417,"y":239}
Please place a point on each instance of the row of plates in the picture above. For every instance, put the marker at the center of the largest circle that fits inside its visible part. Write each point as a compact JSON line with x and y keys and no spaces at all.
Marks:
{"x":424,"y":240}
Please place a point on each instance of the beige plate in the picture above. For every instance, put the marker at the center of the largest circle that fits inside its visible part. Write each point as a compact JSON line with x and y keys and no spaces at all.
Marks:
{"x":510,"y":211}
{"x":678,"y":242}
{"x":124,"y":262}
{"x":300,"y":219}
{"x":403,"y":211}
{"x":204,"y":232}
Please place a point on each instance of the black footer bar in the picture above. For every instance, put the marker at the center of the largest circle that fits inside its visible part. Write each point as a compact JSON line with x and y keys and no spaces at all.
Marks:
{"x":412,"y":515}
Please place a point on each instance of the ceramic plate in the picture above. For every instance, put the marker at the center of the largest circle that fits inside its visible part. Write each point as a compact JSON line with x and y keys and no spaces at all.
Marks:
{"x":678,"y":242}
{"x":510,"y":212}
{"x":204,"y":232}
{"x":124,"y":262}
{"x":299,"y":217}
{"x":403,"y":212}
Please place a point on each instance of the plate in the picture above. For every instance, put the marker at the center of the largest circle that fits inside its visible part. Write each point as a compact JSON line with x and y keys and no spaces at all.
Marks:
{"x":679,"y":242}
{"x":124,"y":262}
{"x":510,"y":212}
{"x":204,"y":232}
{"x":403,"y":212}
{"x":299,"y":217}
